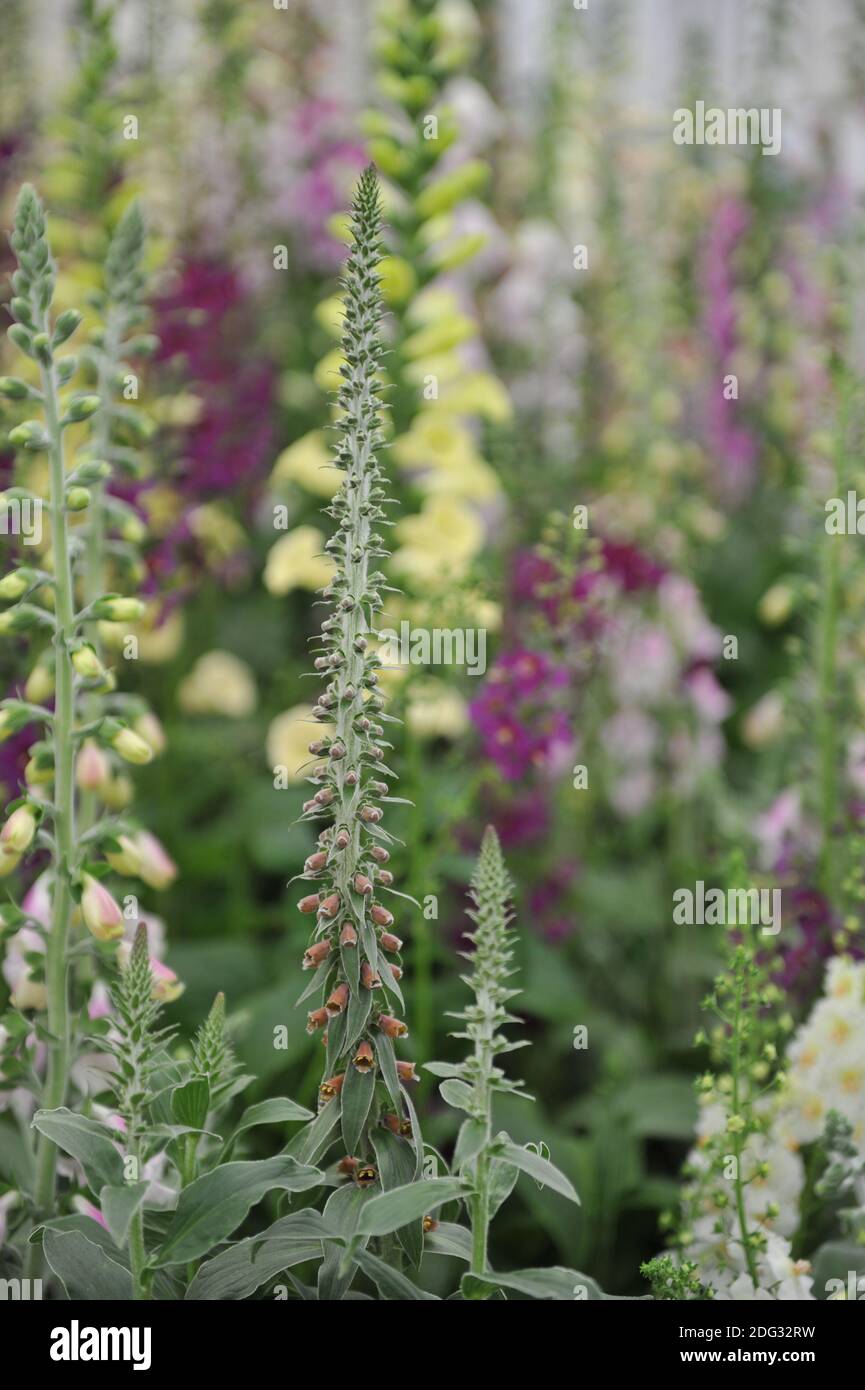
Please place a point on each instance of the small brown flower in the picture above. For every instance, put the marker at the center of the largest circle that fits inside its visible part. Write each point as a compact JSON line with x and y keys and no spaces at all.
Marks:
{"x":370,"y":814}
{"x":316,"y":1018}
{"x":348,"y":1165}
{"x":385,"y":877}
{"x":364,"y":1058}
{"x":365,"y":1175}
{"x":329,"y":906}
{"x":391,"y":942}
{"x":315,"y":862}
{"x":406,"y":1072}
{"x":368,"y":977}
{"x":392,"y":1123}
{"x":337,"y":1001}
{"x":314,"y":955}
{"x":309,"y":903}
{"x":381,"y":916}
{"x":380,"y":854}
{"x":332,"y":1087}
{"x":348,"y":935}
{"x":396,"y":972}
{"x":405,"y":1129}
{"x":429,"y":1224}
{"x":392,"y":1027}
{"x":343,"y":839}
{"x":362,"y":884}
{"x":310,"y":805}
{"x":324,"y":796}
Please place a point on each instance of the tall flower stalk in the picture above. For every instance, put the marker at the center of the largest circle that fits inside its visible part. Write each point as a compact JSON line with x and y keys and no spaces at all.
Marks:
{"x":353,"y":948}
{"x":71,"y":783}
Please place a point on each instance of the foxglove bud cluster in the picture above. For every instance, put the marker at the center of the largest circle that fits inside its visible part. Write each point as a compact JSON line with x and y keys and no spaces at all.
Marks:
{"x":352,"y":953}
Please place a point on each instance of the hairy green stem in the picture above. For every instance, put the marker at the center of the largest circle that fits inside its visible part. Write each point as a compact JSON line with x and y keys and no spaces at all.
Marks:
{"x":737,"y":1139}
{"x":54,"y":1093}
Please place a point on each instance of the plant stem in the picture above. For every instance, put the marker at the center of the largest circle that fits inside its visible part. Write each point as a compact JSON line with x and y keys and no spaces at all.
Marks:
{"x":737,"y":1138}
{"x":137,"y":1251}
{"x":480,"y":1204}
{"x":54,"y":1093}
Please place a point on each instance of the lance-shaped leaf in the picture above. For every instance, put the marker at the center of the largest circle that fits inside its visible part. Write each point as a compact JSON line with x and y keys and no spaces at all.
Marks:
{"x":85,"y":1140}
{"x":537,"y":1167}
{"x":213,"y":1206}
{"x":86,"y":1272}
{"x":118,"y":1206}
{"x":390,"y":1210}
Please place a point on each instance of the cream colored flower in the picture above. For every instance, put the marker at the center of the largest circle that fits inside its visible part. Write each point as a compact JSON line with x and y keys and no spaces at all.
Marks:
{"x":288,"y":740}
{"x":219,"y":683}
{"x":308,"y":462}
{"x":435,"y":710}
{"x":297,"y":561}
{"x":439,"y":542}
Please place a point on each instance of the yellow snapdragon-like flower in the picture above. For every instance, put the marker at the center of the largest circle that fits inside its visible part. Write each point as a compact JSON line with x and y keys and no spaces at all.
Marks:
{"x":440,"y":444}
{"x":439,"y":542}
{"x":309,"y":463}
{"x":219,"y":683}
{"x":288,"y":740}
{"x":216,"y":530}
{"x":297,"y":561}
{"x":435,"y":710}
{"x":477,"y":393}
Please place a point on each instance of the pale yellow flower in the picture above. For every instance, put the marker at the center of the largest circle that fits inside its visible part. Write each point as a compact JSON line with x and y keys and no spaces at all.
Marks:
{"x":309,"y":463}
{"x":298,"y":561}
{"x":219,"y":683}
{"x":435,"y":710}
{"x":326,"y":373}
{"x":477,"y":393}
{"x":288,"y":740}
{"x":217,"y":531}
{"x":439,"y":542}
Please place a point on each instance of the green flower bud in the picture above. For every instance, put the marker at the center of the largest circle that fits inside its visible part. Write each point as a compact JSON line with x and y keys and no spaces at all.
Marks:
{"x":17,"y":582}
{"x":21,"y":338}
{"x":132,"y":747}
{"x":14,"y":389}
{"x":29,"y":435}
{"x":116,"y":609}
{"x":87,"y":663}
{"x":66,"y":324}
{"x":77,"y":499}
{"x":81,"y":408}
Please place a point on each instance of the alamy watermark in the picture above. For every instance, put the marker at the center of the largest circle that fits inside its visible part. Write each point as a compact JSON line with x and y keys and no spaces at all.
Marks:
{"x":22,"y":516}
{"x":735,"y":907}
{"x":435,"y":646}
{"x":737,"y":125}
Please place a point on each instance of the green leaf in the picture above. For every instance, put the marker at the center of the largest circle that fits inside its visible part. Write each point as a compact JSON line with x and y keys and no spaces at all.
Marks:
{"x":443,"y":1068}
{"x":16,"y":1159}
{"x":213,"y":1206}
{"x":539,"y":1168}
{"x":357,"y":1014}
{"x":342,"y":1214}
{"x":557,"y":1283}
{"x":358,"y":1090}
{"x":118,"y":1206}
{"x":389,"y":1282}
{"x":268,"y":1112}
{"x":86,"y":1272}
{"x":502,"y":1181}
{"x":386,"y":1059}
{"x":190,"y":1103}
{"x":314,"y":1139}
{"x":449,"y":1239}
{"x":396,"y":1167}
{"x":390,"y":1210}
{"x":458,"y":1094}
{"x":470,"y":1141}
{"x":87,"y":1141}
